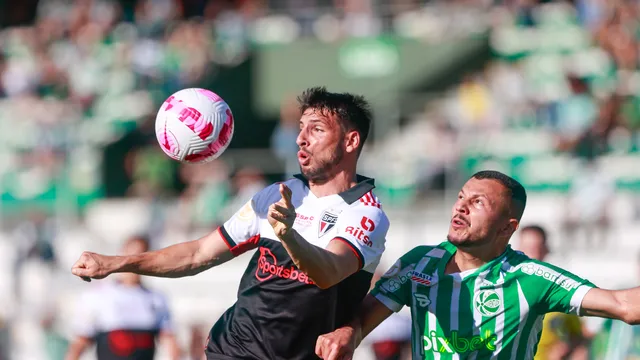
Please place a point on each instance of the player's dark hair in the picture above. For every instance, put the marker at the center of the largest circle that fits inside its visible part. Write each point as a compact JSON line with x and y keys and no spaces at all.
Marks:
{"x":538,"y":230}
{"x":353,"y":111}
{"x":516,"y":191}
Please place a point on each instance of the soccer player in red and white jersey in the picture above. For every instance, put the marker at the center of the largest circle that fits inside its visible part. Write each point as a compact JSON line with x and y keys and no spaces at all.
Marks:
{"x":319,"y":238}
{"x":123,"y":318}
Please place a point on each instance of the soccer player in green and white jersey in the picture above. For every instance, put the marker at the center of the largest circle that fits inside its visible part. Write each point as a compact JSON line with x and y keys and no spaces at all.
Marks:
{"x":473,"y":297}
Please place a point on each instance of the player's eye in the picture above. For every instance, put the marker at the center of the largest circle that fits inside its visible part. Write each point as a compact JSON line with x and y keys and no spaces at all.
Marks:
{"x":459,"y":196}
{"x":318,"y":129}
{"x":478,"y":202}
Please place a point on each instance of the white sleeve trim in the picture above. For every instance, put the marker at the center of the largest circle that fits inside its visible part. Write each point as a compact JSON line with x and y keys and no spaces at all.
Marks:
{"x":391,"y":304}
{"x":576,"y":299}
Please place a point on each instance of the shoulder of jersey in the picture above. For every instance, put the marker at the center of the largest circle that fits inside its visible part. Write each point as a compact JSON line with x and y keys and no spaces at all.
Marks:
{"x":369,"y":200}
{"x":432,"y":251}
{"x":271,"y":194}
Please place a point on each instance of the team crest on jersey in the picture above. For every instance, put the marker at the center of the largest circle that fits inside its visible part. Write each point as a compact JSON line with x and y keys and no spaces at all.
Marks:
{"x":487,"y":302}
{"x":327,"y":222}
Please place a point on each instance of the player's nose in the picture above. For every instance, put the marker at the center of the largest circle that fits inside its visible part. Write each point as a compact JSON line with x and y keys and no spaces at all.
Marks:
{"x":301,"y":140}
{"x":461,"y":207}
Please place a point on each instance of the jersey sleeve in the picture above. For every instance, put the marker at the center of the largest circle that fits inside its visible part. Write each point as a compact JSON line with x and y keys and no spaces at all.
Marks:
{"x":364,"y":229}
{"x":558,"y":289}
{"x":241,"y":232}
{"x":394,"y":287}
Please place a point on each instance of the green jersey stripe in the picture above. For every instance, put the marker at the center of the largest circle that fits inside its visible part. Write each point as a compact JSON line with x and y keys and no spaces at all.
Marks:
{"x":418,"y":316}
{"x":445,"y":292}
{"x":454,"y":325}
{"x":534,"y":337}
{"x":431,"y":341}
{"x":523,"y":306}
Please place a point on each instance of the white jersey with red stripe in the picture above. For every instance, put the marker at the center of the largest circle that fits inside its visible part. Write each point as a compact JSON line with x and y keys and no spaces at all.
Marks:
{"x":280,"y":312}
{"x":355,"y":216}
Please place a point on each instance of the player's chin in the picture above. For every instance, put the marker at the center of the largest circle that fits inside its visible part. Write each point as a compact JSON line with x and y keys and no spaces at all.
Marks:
{"x":458,"y":239}
{"x":312,"y":174}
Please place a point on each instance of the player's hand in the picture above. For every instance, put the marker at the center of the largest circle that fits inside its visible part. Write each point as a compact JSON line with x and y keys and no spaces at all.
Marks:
{"x":92,"y":266}
{"x":337,"y":345}
{"x":282,"y":214}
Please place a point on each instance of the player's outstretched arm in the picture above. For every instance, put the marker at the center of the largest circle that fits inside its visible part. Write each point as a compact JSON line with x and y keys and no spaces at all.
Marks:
{"x":184,"y":259}
{"x":341,"y":343}
{"x":614,"y":304}
{"x":77,"y":348}
{"x":326,"y":267}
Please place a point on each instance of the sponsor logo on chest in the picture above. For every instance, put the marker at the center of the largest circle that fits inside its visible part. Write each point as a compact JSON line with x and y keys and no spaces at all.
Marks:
{"x":304,"y":220}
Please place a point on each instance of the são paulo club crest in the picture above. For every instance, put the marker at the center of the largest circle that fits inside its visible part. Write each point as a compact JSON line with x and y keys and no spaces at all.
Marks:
{"x":327,"y":222}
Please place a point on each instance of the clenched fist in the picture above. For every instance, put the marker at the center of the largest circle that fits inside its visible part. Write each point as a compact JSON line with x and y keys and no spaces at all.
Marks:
{"x":337,"y":345}
{"x":282,"y":214}
{"x":93,"y":266}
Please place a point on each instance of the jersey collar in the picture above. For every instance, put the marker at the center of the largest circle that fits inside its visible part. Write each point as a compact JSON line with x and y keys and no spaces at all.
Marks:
{"x":363,"y":186}
{"x":451,"y":250}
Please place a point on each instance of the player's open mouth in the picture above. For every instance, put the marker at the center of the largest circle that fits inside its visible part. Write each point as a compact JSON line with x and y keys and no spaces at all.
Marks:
{"x":303,"y":158}
{"x":457,"y":222}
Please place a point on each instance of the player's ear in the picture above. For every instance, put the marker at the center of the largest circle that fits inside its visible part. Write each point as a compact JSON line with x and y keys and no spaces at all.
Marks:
{"x":352,"y":141}
{"x":510,"y":227}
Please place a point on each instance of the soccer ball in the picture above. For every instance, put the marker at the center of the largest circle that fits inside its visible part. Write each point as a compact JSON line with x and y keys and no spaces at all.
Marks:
{"x":194,"y":126}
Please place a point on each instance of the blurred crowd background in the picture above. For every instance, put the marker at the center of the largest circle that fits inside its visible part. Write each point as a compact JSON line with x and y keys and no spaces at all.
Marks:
{"x":546,"y":91}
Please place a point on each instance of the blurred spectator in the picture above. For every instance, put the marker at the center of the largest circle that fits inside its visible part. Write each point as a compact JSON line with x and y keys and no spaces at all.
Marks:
{"x":618,"y":34}
{"x":123,"y":318}
{"x":5,"y":340}
{"x":562,"y":336}
{"x":589,"y":204}
{"x":473,"y":104}
{"x":56,"y":345}
{"x":205,"y":196}
{"x":576,"y":113}
{"x":285,"y":135}
{"x":617,"y":340}
{"x":197,"y":343}
{"x":246,"y":182}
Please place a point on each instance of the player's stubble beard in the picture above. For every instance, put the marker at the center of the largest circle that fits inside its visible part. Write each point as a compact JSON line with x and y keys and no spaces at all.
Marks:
{"x":469,"y":242}
{"x":324,"y":170}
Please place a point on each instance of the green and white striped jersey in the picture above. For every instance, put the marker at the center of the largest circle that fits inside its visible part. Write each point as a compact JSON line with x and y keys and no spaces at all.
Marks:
{"x":494,"y":312}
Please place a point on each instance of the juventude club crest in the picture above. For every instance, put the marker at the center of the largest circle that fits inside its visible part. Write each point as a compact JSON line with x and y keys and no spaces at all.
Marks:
{"x":487,"y":302}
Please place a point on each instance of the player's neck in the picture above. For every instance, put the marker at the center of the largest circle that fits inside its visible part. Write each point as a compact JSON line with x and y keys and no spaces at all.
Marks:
{"x":469,"y":259}
{"x":340,"y":182}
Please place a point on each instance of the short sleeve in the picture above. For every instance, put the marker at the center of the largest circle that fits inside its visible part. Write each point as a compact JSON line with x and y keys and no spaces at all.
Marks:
{"x":364,"y":229}
{"x":84,"y":323}
{"x":394,"y":287}
{"x":559,"y":290}
{"x":242,"y":231}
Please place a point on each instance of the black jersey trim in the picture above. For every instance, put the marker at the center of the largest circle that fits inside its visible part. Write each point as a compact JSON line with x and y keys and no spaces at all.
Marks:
{"x":355,"y":250}
{"x":363,"y":186}
{"x":226,"y":237}
{"x":239,"y":248}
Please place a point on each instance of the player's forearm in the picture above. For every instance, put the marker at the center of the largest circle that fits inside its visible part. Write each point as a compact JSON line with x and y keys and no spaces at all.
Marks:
{"x":173,"y":262}
{"x":319,"y":264}
{"x":76,"y":349}
{"x":371,"y":313}
{"x":629,"y":305}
